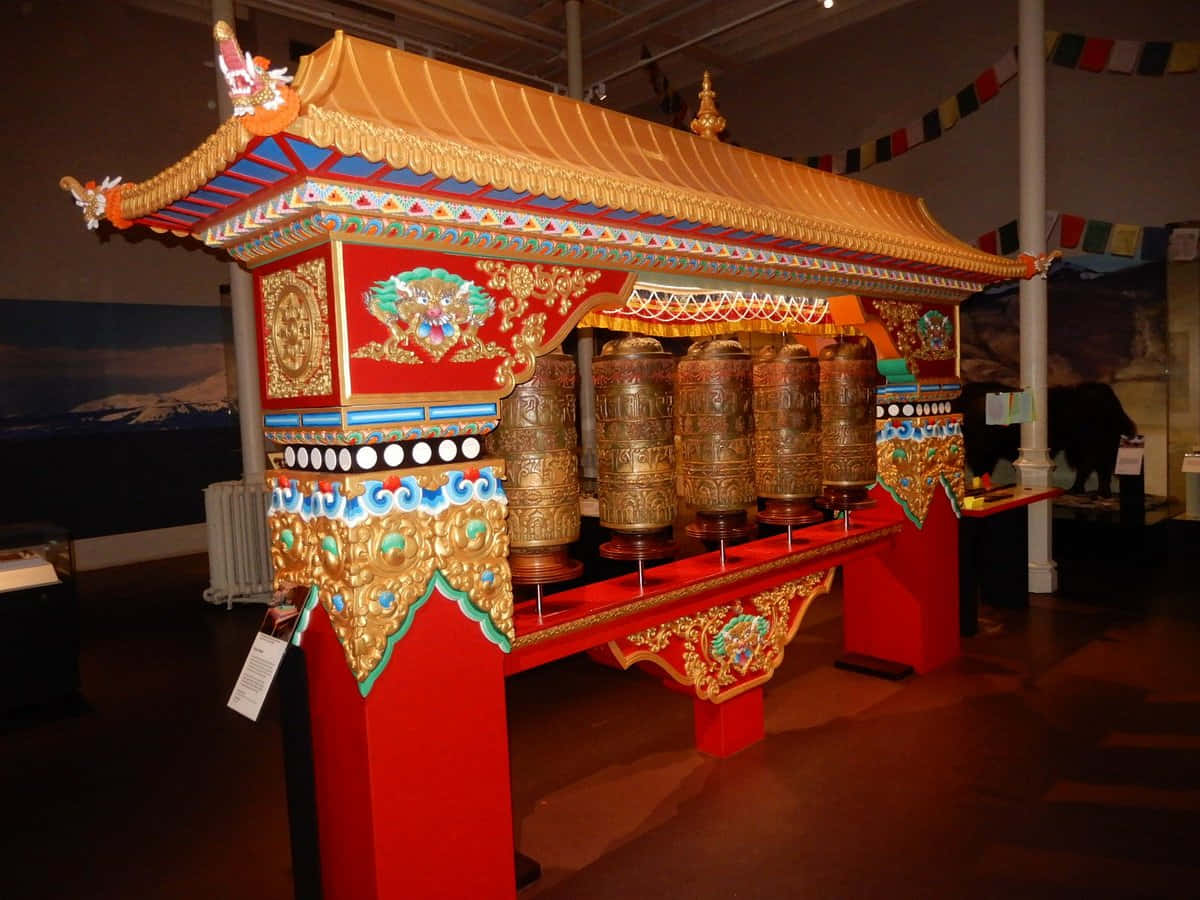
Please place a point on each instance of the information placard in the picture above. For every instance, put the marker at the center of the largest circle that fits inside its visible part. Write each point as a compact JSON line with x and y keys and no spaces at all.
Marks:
{"x":257,"y":674}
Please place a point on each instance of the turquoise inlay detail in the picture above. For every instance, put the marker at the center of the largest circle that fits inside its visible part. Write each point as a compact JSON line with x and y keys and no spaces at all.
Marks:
{"x":384,"y":416}
{"x":281,"y":420}
{"x":488,"y":576}
{"x":287,"y":538}
{"x":386,"y":599}
{"x":329,"y":545}
{"x":392,"y":541}
{"x":305,"y":615}
{"x":475,"y":528}
{"x":322,"y":418}
{"x":470,"y":409}
{"x":339,"y":602}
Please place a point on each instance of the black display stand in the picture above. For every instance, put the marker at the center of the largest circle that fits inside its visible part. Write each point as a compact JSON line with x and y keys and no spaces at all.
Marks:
{"x":993,"y":564}
{"x":39,"y":677}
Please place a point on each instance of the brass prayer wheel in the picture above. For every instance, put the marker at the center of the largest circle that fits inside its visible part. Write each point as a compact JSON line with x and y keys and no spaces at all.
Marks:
{"x":714,"y":414}
{"x":538,"y":441}
{"x":634,"y":379}
{"x":848,"y":466}
{"x":787,"y":434}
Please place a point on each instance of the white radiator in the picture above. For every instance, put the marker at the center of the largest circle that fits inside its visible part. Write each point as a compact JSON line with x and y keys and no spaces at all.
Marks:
{"x":239,"y":564}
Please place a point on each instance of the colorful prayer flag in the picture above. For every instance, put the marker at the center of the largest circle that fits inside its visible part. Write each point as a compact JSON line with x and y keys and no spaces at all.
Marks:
{"x":1154,"y":243}
{"x":1051,"y":40}
{"x":1124,"y":56}
{"x":1068,"y":51}
{"x":899,"y":142}
{"x":1006,"y":67}
{"x":1185,"y":57}
{"x":948,"y":113}
{"x":1154,"y":58}
{"x":883,"y":148}
{"x":987,"y":242}
{"x":1072,"y":230}
{"x":914,"y":133}
{"x":1124,"y":240}
{"x":1095,"y":236}
{"x":825,"y":163}
{"x":967,"y":101}
{"x":853,"y":160}
{"x":1095,"y":54}
{"x":1010,"y":239}
{"x":866,"y":154}
{"x":931,"y":124}
{"x":986,"y":86}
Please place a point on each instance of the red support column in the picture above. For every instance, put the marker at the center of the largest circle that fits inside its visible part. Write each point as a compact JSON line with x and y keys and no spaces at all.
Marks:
{"x":412,"y":781}
{"x":903,"y":605}
{"x":722,"y":729}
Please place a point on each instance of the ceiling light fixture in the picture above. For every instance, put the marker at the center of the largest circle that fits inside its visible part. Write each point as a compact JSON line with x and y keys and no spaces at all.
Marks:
{"x":828,"y":4}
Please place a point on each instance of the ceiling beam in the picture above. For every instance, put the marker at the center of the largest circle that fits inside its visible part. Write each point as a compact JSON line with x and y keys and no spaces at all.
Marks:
{"x":482,"y":12}
{"x":545,"y":39}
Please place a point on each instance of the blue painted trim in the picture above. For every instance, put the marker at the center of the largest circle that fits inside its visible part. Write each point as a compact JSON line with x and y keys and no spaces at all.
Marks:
{"x":322,"y":418}
{"x":229,"y":183}
{"x":281,"y":420}
{"x":454,"y":186}
{"x":310,"y":155}
{"x":270,"y":150}
{"x":251,"y":169}
{"x":384,"y":416}
{"x":407,"y":177}
{"x":472,"y":409}
{"x":355,"y":167}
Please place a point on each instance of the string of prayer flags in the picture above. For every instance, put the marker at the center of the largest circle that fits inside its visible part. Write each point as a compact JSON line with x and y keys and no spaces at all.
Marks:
{"x":1093,"y":54}
{"x":1145,"y":242}
{"x":1073,"y":51}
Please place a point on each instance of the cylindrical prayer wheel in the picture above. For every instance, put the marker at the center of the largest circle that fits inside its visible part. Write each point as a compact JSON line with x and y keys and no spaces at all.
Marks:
{"x":787,"y":434}
{"x":714,"y":415}
{"x":634,"y":379}
{"x":848,"y":377}
{"x":538,"y":441}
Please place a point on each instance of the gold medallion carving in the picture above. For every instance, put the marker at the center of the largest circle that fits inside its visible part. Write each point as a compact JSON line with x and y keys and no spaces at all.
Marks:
{"x":296,"y":327}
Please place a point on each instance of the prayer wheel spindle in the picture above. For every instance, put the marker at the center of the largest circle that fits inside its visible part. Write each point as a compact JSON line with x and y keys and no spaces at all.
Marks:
{"x":848,"y":465}
{"x":538,"y":441}
{"x":714,"y":414}
{"x":634,"y":379}
{"x":787,"y":434}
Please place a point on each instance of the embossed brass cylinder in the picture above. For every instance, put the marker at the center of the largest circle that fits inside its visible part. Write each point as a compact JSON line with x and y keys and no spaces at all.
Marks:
{"x":634,"y":379}
{"x":848,"y":378}
{"x":538,"y":441}
{"x":714,"y":415}
{"x":787,"y":434}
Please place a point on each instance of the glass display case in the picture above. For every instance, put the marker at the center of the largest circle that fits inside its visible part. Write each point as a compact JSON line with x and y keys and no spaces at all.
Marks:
{"x":39,"y":640}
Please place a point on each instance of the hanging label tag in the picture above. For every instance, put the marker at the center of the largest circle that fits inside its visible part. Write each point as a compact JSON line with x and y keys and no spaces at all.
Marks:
{"x":1130,"y":455}
{"x":258,"y":672}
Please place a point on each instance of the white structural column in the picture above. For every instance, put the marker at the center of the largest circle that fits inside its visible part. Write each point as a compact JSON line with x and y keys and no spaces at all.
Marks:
{"x":586,"y":345}
{"x":245,"y":338}
{"x":1034,"y":464}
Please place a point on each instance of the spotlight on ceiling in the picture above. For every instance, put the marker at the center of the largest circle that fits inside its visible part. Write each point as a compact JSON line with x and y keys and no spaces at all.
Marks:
{"x":828,"y":4}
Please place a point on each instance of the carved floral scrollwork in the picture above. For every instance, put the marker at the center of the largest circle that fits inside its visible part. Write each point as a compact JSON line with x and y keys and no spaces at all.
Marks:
{"x":553,"y":285}
{"x":916,"y":457}
{"x":729,"y":648}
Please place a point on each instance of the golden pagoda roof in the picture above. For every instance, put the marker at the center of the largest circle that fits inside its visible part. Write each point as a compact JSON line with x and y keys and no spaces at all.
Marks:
{"x":384,"y":104}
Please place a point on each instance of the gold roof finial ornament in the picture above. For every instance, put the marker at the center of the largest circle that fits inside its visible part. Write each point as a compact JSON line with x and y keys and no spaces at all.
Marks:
{"x":708,"y":122}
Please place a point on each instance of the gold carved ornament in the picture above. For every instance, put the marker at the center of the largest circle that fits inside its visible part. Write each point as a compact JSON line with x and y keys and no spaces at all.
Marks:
{"x":296,"y":331}
{"x":920,"y":333}
{"x":555,"y":284}
{"x":372,"y":573}
{"x":727,"y":649}
{"x":912,"y":469}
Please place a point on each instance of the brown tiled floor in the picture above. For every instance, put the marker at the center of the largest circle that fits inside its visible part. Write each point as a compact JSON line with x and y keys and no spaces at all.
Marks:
{"x":1059,"y":757}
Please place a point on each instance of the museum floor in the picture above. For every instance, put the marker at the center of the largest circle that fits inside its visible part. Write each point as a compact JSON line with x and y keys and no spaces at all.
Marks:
{"x":1059,"y":757}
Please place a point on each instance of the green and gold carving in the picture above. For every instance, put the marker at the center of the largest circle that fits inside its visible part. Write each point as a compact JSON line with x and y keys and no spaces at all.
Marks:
{"x":371,"y":571}
{"x":912,"y":469}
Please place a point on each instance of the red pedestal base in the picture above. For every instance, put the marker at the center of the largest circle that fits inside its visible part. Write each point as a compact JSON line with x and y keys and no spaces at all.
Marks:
{"x":722,"y":729}
{"x":412,"y":782}
{"x":902,"y":605}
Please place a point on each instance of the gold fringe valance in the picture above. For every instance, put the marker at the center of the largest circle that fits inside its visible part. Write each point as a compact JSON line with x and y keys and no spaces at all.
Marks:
{"x":708,"y":329}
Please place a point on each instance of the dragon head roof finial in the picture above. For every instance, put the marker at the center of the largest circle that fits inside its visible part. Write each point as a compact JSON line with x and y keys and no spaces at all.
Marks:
{"x":261,"y":96}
